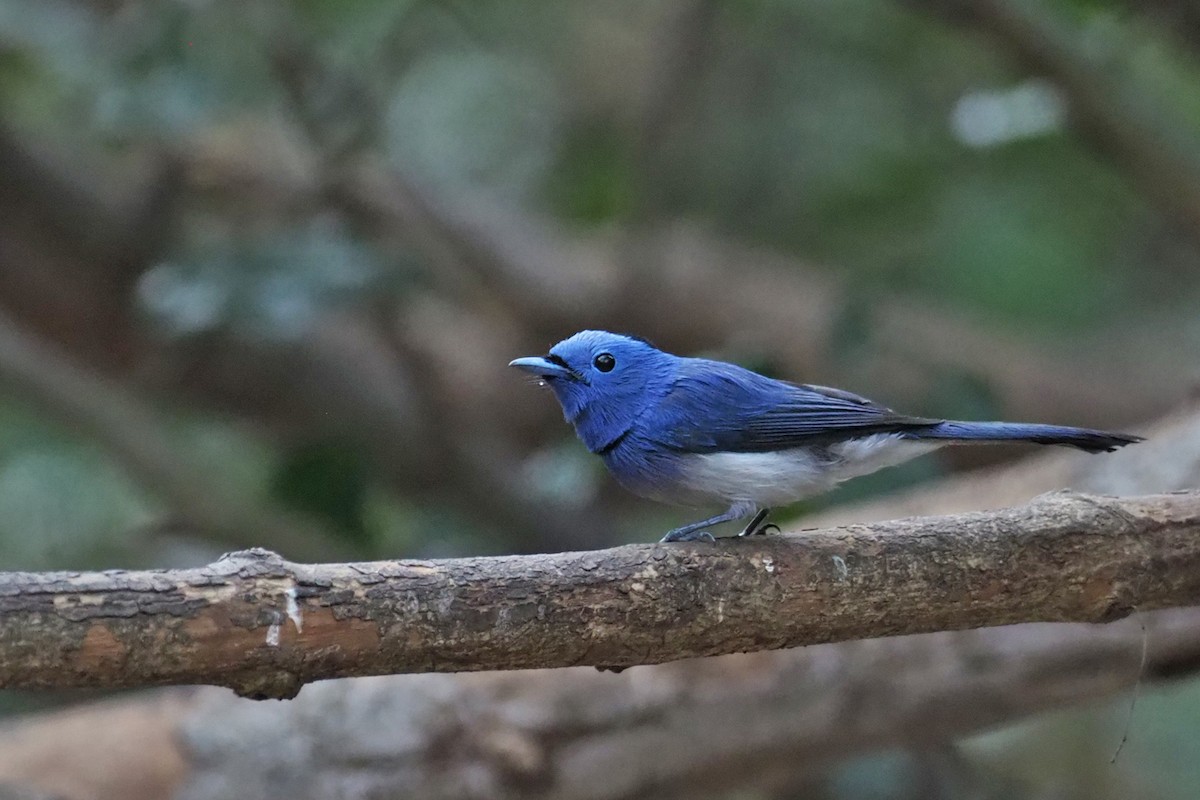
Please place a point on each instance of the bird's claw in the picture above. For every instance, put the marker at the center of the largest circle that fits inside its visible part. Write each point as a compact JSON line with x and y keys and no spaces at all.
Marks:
{"x":688,"y":536}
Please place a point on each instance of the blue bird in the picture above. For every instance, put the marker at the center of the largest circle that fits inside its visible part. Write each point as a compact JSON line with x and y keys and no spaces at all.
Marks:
{"x":692,"y":431}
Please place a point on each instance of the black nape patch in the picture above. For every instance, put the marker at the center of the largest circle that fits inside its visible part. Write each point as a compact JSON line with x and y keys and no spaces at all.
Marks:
{"x":641,"y":339}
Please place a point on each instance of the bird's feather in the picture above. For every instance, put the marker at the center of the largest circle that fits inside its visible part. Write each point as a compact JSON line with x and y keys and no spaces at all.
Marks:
{"x":712,"y":406}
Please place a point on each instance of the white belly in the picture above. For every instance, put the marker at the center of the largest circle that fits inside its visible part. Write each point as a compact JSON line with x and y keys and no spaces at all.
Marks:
{"x":783,"y":477}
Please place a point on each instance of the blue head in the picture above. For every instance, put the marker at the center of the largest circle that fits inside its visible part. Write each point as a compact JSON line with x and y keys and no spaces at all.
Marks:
{"x":603,"y":381}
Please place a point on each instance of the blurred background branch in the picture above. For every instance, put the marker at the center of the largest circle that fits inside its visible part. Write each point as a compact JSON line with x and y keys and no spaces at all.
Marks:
{"x":1113,"y":114}
{"x":132,"y":434}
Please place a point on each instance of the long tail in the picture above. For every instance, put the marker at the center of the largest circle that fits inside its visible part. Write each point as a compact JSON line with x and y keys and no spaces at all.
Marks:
{"x":1084,"y":438}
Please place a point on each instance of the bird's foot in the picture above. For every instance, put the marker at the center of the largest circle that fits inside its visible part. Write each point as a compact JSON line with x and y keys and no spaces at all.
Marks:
{"x":756,"y":525}
{"x":684,"y":535}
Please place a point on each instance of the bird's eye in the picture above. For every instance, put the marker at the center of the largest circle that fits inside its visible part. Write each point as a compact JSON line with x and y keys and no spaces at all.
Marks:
{"x":604,"y":362}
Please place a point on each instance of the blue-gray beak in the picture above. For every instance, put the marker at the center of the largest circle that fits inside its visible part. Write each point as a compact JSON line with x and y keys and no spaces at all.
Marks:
{"x":542,"y":367}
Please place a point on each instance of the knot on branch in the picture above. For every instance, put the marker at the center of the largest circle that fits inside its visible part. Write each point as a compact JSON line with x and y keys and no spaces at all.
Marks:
{"x":255,"y":562}
{"x":272,"y":685}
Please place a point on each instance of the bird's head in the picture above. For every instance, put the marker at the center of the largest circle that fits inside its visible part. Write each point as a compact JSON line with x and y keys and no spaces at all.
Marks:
{"x":603,"y":381}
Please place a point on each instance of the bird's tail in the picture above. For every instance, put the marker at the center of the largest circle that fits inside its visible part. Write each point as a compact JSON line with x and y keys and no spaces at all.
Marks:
{"x":978,"y":432}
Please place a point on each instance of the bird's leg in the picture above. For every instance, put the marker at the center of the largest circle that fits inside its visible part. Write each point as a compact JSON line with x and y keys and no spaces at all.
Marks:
{"x":696,"y":531}
{"x":756,"y":524}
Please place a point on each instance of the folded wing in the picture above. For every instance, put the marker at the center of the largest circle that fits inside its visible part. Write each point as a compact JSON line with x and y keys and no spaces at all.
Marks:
{"x":717,"y":407}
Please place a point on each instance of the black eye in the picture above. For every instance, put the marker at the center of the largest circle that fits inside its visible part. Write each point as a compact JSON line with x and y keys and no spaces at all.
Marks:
{"x":604,"y":362}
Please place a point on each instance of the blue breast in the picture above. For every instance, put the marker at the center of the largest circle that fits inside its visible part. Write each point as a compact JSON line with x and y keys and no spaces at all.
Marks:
{"x":647,"y":469}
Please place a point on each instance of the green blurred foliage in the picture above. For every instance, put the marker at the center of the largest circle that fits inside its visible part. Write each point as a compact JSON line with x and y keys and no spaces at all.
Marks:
{"x":802,"y":128}
{"x":436,"y":122}
{"x":592,"y":181}
{"x":273,"y":283}
{"x":1080,"y":752}
{"x":329,"y":481}
{"x":63,"y":501}
{"x":812,"y":131}
{"x":1066,"y":755}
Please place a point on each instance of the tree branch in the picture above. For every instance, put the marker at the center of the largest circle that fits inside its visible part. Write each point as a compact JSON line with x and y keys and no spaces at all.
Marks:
{"x":265,"y":627}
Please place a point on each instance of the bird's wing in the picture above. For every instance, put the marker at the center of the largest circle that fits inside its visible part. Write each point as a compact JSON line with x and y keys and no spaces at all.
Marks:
{"x":717,"y":407}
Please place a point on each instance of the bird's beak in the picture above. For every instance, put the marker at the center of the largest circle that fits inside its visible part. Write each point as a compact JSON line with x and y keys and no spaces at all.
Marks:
{"x":542,"y":367}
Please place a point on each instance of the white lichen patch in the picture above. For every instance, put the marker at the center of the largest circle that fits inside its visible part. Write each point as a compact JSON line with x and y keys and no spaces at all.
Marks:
{"x":76,"y":600}
{"x":273,"y":635}
{"x":293,"y":610}
{"x":412,"y":604}
{"x":648,"y":572}
{"x":414,"y":568}
{"x":209,"y":593}
{"x":843,"y":571}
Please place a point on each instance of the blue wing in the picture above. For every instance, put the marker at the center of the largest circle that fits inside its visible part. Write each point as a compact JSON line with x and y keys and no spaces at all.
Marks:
{"x":717,"y":407}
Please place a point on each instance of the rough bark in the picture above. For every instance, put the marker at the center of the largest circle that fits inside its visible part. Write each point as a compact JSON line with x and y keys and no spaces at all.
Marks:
{"x":265,"y":627}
